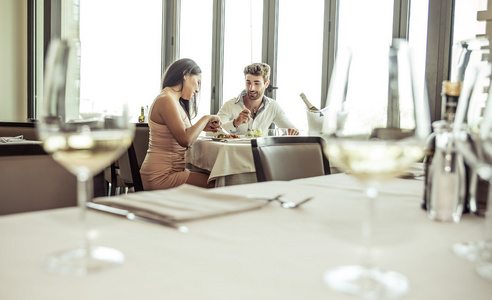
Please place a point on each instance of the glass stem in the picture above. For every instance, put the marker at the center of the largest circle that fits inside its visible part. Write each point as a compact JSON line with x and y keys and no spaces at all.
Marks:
{"x":84,"y":192}
{"x":488,"y":214}
{"x":371,"y":193}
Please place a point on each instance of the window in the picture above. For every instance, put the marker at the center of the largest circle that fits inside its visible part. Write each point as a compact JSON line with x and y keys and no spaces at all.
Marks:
{"x":466,"y":27}
{"x":242,"y":42}
{"x":296,"y":73}
{"x":120,"y":58}
{"x":196,"y":43}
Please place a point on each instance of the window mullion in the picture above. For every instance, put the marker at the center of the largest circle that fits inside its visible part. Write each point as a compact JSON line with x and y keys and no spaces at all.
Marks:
{"x":170,"y":32}
{"x":329,"y":46}
{"x":270,"y":41}
{"x":438,"y":51}
{"x":31,"y":59}
{"x":404,"y":18}
{"x":216,"y":97}
{"x":400,"y":18}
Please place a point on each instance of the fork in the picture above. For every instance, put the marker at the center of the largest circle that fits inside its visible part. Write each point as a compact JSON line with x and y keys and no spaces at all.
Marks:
{"x":283,"y":203}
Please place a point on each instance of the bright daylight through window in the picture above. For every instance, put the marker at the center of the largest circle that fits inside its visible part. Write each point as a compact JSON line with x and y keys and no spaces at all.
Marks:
{"x":120,"y":60}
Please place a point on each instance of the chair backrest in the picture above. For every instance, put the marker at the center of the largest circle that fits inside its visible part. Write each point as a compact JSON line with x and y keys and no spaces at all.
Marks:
{"x":130,"y":162}
{"x":130,"y":169}
{"x":26,"y":129}
{"x":31,"y":180}
{"x":289,"y":157}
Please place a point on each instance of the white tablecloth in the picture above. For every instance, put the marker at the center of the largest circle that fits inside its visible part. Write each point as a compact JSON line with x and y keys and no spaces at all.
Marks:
{"x":223,"y":159}
{"x":269,"y":253}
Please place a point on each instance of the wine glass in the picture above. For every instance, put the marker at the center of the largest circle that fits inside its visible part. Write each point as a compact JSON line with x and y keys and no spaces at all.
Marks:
{"x":377,"y":120}
{"x":466,"y":129}
{"x":84,"y":146}
{"x":473,"y":134}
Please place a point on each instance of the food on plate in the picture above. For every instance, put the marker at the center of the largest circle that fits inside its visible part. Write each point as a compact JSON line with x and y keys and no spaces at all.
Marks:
{"x":227,"y":136}
{"x":255,"y":133}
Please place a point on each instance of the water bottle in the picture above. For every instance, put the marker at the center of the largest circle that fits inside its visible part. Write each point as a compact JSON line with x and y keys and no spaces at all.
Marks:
{"x":447,"y":177}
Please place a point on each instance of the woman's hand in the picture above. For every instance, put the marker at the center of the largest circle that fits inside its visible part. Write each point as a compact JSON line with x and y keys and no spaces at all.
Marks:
{"x":213,"y":124}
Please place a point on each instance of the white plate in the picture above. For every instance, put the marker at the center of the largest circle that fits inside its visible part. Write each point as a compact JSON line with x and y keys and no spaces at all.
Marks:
{"x":233,"y":141}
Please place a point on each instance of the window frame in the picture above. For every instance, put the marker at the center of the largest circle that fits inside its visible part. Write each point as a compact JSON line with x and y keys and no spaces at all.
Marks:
{"x":437,"y":54}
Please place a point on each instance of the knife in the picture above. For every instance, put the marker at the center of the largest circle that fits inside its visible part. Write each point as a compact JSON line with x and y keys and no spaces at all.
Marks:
{"x":131,"y":216}
{"x":224,"y":131}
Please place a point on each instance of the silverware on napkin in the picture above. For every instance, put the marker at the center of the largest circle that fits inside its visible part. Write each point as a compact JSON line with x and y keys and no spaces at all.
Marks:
{"x":131,"y":216}
{"x":181,"y":204}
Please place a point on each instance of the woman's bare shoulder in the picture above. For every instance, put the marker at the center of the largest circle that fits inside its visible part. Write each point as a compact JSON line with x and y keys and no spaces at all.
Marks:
{"x":164,"y":99}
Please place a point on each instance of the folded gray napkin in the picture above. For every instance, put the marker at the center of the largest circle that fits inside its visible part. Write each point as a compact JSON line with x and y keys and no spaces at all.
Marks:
{"x":8,"y":139}
{"x":183,"y":203}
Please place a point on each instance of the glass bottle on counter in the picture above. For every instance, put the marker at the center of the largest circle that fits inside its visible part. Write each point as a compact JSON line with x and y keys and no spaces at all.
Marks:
{"x":141,"y":118}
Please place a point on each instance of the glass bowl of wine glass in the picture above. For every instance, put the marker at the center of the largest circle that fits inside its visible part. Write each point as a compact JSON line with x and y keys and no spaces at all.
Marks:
{"x":376,"y":122}
{"x":84,"y":145}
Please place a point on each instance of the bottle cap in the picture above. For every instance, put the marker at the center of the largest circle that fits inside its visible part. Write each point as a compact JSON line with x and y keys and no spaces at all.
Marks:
{"x":451,"y":88}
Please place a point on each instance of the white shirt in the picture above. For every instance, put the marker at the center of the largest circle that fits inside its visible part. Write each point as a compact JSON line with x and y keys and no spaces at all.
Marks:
{"x":269,"y":112}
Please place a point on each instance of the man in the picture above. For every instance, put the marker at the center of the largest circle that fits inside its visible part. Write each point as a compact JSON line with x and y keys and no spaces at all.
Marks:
{"x":252,"y":109}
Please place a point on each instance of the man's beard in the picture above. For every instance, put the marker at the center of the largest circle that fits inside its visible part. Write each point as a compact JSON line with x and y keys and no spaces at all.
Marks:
{"x":255,"y":95}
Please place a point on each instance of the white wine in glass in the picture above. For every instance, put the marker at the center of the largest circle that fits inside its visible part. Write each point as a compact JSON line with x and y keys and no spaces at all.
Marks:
{"x":377,"y":120}
{"x":84,"y":146}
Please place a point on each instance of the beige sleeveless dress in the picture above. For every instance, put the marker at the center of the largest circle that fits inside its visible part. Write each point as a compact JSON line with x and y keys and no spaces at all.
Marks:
{"x":164,"y":164}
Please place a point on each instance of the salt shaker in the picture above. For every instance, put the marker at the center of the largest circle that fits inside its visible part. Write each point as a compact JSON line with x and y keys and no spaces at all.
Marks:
{"x":447,"y":177}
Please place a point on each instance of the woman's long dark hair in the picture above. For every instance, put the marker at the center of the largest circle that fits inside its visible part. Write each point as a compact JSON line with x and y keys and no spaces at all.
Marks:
{"x":174,"y":75}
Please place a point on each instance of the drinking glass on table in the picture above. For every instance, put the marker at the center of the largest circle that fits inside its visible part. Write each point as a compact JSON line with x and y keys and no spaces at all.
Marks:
{"x":376,"y":124}
{"x":84,"y":146}
{"x":473,"y":133}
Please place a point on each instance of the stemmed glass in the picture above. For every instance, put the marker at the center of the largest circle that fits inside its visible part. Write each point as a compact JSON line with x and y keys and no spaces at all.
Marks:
{"x":473,"y":134}
{"x":469,"y":113}
{"x":466,"y":129}
{"x":377,"y":120}
{"x":84,"y":146}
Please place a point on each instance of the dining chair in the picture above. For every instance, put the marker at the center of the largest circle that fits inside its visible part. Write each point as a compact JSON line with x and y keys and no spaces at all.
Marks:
{"x":289,"y":157}
{"x":129,"y":168}
{"x":26,"y":129}
{"x":31,"y":180}
{"x":124,"y":173}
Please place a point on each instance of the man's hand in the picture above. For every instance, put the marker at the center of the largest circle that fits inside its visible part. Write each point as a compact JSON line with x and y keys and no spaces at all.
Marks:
{"x":287,"y":131}
{"x":293,"y":131}
{"x":242,"y":118}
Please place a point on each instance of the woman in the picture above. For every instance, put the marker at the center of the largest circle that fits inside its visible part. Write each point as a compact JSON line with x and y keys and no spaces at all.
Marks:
{"x":171,"y":132}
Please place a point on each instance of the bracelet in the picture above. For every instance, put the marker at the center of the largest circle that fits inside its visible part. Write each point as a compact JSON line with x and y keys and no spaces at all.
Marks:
{"x":234,"y":124}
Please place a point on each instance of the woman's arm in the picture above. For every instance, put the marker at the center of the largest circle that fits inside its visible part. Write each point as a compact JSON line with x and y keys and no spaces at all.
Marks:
{"x":168,"y":111}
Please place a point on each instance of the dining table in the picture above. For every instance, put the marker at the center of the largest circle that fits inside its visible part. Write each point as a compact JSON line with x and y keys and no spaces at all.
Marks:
{"x":270,"y":252}
{"x":228,"y":161}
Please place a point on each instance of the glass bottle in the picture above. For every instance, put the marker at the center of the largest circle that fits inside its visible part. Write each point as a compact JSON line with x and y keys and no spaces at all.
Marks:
{"x":450,"y":94}
{"x":309,"y":106}
{"x":141,"y":118}
{"x":447,"y":177}
{"x":314,"y":117}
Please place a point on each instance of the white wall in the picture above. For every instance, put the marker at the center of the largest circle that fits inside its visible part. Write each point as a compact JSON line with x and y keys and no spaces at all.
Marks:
{"x":13,"y":60}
